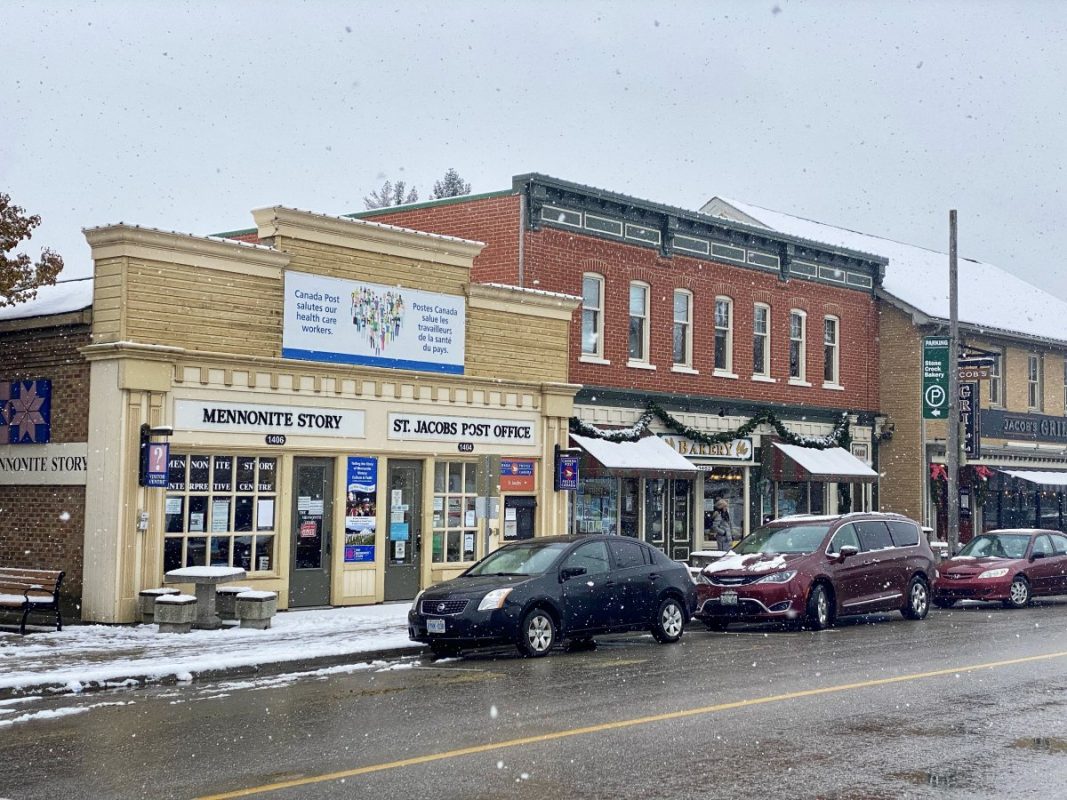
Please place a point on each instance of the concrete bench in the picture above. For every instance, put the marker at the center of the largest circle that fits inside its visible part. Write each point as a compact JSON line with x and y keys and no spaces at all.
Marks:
{"x":175,"y":613}
{"x":226,"y":600}
{"x":29,"y":590}
{"x":146,"y":602}
{"x":255,"y":609}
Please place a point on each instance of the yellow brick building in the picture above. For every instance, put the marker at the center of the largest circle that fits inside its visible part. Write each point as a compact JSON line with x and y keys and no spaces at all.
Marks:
{"x":348,"y":417}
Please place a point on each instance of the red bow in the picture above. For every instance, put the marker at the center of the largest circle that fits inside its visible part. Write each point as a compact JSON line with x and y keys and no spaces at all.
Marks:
{"x":938,"y":472}
{"x":985,"y":473}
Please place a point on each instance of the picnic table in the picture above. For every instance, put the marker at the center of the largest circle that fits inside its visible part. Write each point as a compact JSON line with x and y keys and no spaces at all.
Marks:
{"x":205,"y":579}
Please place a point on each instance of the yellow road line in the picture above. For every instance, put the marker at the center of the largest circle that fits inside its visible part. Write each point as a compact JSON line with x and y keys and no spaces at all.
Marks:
{"x":619,"y":724}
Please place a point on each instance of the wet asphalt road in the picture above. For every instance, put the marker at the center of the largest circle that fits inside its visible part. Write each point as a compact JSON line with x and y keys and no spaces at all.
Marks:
{"x":876,"y":708}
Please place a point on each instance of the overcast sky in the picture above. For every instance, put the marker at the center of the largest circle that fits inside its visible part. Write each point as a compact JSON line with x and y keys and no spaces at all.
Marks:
{"x":876,"y":116}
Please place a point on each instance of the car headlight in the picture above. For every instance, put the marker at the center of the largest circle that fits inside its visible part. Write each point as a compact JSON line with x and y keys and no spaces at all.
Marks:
{"x":994,"y":573}
{"x":779,"y":577}
{"x":418,"y":597}
{"x":495,"y":599}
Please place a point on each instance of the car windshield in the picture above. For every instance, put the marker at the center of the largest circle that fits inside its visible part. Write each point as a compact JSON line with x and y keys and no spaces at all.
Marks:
{"x":528,"y":558}
{"x":800,"y":538}
{"x":997,"y":545}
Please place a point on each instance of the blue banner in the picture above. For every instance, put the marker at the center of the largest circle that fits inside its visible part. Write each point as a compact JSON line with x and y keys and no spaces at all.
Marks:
{"x":361,"y":509}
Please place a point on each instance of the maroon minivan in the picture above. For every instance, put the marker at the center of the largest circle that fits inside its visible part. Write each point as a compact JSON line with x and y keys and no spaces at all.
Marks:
{"x":814,"y":569}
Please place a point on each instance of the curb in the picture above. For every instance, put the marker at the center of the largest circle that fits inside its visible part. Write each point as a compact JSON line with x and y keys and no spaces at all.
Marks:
{"x":241,"y":671}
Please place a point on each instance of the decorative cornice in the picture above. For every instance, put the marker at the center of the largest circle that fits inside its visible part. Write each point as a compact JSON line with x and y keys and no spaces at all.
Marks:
{"x":361,"y":234}
{"x":132,"y":241}
{"x":542,"y":189}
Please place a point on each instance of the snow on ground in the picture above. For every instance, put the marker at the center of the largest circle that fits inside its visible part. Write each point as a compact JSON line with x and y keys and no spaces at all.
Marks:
{"x":87,"y":655}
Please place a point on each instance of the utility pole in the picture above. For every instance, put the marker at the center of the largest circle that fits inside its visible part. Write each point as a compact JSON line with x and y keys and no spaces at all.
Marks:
{"x":952,"y":500}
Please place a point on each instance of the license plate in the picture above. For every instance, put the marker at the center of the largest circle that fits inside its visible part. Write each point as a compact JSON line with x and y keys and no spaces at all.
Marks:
{"x":435,"y":626}
{"x":728,"y":598}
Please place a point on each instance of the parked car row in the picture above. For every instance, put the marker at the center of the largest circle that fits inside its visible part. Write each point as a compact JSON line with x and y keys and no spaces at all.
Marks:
{"x":810,"y":569}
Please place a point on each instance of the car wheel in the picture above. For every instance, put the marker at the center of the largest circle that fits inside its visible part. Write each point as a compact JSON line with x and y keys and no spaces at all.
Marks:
{"x":669,"y":623}
{"x":1019,"y":593}
{"x":944,"y":602}
{"x":819,"y":612}
{"x":443,"y":649}
{"x":716,"y":625}
{"x":918,"y":605}
{"x":537,"y":633}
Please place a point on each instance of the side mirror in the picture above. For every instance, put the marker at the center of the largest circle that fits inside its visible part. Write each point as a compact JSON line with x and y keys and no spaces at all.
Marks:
{"x":848,"y":551}
{"x":1038,"y":554}
{"x":567,"y":573}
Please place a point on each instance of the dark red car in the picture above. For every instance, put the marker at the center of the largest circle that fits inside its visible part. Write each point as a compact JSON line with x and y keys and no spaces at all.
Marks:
{"x":814,"y":569}
{"x":1010,"y":565}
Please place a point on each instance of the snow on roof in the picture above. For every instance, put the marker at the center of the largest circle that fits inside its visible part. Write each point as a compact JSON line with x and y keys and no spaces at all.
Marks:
{"x":63,"y":298}
{"x":541,"y":292}
{"x":382,"y":225}
{"x":209,"y":238}
{"x":989,"y":297}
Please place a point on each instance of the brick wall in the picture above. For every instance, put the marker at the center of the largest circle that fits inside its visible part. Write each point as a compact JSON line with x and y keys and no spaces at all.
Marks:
{"x":555,"y":260}
{"x":901,"y":460}
{"x":43,"y":526}
{"x":494,"y":221}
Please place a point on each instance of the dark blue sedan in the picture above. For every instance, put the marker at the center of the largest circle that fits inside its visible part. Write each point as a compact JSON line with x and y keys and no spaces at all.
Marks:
{"x":537,"y":592}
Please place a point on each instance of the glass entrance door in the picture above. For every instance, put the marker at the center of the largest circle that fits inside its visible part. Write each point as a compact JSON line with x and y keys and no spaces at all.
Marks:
{"x":311,"y":532}
{"x":405,"y":530}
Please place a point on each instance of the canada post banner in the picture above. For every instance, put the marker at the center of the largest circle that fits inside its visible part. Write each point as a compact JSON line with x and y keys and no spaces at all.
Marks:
{"x":352,"y":322}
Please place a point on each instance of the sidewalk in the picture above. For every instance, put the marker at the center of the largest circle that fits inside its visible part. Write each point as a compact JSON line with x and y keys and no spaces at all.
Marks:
{"x":84,"y":657}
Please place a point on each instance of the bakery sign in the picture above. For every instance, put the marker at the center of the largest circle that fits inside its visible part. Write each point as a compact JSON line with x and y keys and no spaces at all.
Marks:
{"x":198,"y":415}
{"x":734,"y":450}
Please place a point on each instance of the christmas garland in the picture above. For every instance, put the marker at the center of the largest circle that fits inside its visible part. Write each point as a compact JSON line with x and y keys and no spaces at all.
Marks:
{"x":838,"y":437}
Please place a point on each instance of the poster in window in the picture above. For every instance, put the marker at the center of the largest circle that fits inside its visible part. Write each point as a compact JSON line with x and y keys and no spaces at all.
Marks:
{"x":361,"y":511}
{"x":220,"y":515}
{"x":265,"y":514}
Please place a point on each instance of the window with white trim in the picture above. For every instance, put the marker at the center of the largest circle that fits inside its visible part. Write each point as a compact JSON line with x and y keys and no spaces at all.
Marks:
{"x":724,"y":334}
{"x":592,"y":314}
{"x":798,"y":322}
{"x":221,"y":511}
{"x":454,"y":521}
{"x":638,"y":339}
{"x":831,"y":351}
{"x":1033,"y":381}
{"x":682,"y":341}
{"x":761,"y":340}
{"x":996,"y":386}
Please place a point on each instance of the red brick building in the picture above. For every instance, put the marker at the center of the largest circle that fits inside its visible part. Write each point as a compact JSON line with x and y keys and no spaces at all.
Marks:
{"x":713,"y":322}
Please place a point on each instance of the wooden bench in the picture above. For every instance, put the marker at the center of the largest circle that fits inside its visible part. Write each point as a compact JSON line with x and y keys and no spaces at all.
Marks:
{"x":29,"y":590}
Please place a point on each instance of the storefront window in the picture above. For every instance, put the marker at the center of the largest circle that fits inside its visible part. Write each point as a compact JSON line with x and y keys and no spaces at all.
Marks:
{"x":630,"y":510}
{"x":454,"y":518}
{"x":596,"y":506}
{"x":220,"y":511}
{"x":726,"y":483}
{"x":792,"y":499}
{"x":681,"y":519}
{"x":655,"y":508}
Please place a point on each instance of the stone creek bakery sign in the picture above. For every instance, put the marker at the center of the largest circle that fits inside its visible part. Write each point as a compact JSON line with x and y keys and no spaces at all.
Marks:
{"x":44,"y":464}
{"x":195,"y":415}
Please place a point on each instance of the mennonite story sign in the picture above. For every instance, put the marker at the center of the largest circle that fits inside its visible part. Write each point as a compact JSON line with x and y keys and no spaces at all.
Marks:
{"x":198,"y":415}
{"x":352,"y":322}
